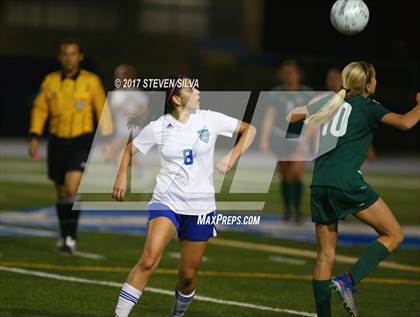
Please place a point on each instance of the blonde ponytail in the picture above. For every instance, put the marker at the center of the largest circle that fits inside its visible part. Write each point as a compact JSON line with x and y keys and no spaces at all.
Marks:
{"x":328,"y":111}
{"x":355,"y":76}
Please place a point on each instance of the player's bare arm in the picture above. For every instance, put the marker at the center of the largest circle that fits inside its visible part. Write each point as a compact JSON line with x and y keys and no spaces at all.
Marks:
{"x":404,"y":121}
{"x":120,"y":184}
{"x":248,"y":133}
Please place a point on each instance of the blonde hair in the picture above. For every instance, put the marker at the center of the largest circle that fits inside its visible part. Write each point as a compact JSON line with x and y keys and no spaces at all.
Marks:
{"x":354,"y":77}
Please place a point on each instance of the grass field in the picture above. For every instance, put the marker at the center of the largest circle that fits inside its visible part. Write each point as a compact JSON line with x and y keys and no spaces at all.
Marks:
{"x":234,"y":276}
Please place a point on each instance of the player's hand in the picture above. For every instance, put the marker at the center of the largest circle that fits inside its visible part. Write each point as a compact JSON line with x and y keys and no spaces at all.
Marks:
{"x":33,"y":148}
{"x":120,"y":187}
{"x":226,"y":164}
{"x":418,"y":99}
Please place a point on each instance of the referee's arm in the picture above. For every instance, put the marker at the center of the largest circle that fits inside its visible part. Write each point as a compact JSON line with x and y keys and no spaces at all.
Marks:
{"x":103,"y":114}
{"x":39,"y":113}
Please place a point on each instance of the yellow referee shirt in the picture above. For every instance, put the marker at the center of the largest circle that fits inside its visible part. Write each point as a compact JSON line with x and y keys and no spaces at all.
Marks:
{"x":70,"y":103}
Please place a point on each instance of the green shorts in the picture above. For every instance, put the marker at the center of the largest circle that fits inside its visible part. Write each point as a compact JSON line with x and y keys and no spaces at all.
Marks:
{"x":329,"y":204}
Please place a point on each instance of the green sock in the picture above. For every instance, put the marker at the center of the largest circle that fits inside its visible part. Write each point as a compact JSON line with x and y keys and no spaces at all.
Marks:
{"x":375,"y":253}
{"x":287,"y":192}
{"x":297,"y":196}
{"x":322,"y":292}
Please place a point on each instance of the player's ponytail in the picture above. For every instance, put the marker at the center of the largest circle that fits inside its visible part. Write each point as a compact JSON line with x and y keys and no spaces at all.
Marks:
{"x":328,"y":111}
{"x":355,"y":76}
{"x":172,"y":90}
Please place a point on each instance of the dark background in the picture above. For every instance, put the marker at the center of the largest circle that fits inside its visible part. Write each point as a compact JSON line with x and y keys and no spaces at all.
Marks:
{"x":227,"y":45}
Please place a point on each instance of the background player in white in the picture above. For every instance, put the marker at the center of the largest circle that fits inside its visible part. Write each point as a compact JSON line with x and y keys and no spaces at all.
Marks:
{"x":127,"y":105}
{"x":186,"y":138}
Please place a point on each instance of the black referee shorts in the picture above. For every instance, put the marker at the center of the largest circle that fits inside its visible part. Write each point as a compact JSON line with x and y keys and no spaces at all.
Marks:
{"x":67,"y":154}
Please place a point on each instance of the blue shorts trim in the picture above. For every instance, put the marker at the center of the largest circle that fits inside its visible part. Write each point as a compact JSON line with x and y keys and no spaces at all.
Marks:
{"x":186,"y":225}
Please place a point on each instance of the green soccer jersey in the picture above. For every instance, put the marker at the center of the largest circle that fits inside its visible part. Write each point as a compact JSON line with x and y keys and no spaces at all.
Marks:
{"x":354,"y":125}
{"x":284,"y":101}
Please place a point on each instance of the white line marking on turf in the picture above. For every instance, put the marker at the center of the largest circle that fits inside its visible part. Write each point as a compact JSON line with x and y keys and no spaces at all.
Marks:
{"x":177,"y":255}
{"x":87,"y":255}
{"x":152,"y":290}
{"x":304,"y":253}
{"x":282,"y":259}
{"x":142,"y":205}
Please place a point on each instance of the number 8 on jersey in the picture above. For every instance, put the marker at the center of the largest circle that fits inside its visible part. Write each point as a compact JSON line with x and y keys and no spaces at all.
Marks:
{"x":188,"y":156}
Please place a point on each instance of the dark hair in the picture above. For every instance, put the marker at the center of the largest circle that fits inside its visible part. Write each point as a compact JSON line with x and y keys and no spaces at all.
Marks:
{"x":291,"y":62}
{"x":172,"y":91}
{"x":70,"y":41}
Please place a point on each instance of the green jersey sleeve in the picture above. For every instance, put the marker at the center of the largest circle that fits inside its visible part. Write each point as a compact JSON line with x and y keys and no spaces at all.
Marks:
{"x":376,"y":112}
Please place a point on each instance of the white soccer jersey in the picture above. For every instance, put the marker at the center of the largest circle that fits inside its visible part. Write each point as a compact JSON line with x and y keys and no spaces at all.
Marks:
{"x":185,"y":180}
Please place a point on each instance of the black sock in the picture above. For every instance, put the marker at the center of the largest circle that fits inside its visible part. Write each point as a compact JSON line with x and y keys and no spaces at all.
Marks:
{"x":67,"y":223}
{"x":73,"y":222}
{"x":61,"y":215}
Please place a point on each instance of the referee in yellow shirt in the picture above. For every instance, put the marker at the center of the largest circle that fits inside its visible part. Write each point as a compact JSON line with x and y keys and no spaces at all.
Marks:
{"x":69,"y":98}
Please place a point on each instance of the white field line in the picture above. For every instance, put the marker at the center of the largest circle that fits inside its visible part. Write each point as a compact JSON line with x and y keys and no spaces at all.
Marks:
{"x":152,"y":290}
{"x":177,"y":255}
{"x":142,"y":205}
{"x":305,"y":253}
{"x":88,"y":255}
{"x":287,"y":260}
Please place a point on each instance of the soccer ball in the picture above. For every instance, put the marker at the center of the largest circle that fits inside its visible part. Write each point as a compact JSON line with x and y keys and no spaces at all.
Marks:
{"x":349,"y":16}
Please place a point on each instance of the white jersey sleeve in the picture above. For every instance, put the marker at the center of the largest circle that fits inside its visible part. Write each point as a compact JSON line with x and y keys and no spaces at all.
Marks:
{"x":223,"y":124}
{"x":146,"y":139}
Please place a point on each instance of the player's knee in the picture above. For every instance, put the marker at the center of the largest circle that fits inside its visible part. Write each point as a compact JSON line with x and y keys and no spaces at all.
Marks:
{"x":395,"y":237}
{"x":148,"y":261}
{"x":326,"y":256}
{"x":398,"y":237}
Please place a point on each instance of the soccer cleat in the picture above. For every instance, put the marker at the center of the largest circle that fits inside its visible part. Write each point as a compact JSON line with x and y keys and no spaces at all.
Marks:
{"x":343,"y":285}
{"x":66,"y":245}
